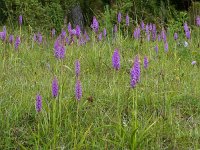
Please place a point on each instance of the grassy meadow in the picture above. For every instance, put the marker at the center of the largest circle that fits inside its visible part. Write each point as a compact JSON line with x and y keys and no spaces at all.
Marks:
{"x":161,"y":112}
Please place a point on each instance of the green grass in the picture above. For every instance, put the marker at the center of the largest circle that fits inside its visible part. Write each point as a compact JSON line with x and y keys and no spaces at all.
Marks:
{"x":168,"y":96}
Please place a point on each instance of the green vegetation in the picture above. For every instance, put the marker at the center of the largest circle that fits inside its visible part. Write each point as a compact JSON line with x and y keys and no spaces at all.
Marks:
{"x":161,"y":112}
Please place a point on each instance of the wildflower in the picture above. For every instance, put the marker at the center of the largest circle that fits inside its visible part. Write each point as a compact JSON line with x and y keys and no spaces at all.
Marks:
{"x":187,"y":34}
{"x":142,"y":25}
{"x":95,"y":25}
{"x":77,"y":68}
{"x":35,"y":37}
{"x":185,"y":44}
{"x":198,"y":21}
{"x":127,"y":20}
{"x":100,"y":36}
{"x":137,"y":68}
{"x":116,"y":59}
{"x":78,"y":31}
{"x":72,"y":32}
{"x":63,"y":34}
{"x":187,"y":30}
{"x":175,"y":36}
{"x":119,"y":17}
{"x":156,"y":49}
{"x":163,"y":35}
{"x":193,"y":62}
{"x":166,"y":47}
{"x":78,"y":90}
{"x":38,"y":104}
{"x":3,"y":34}
{"x":55,"y":87}
{"x":17,"y":42}
{"x":133,"y":80}
{"x":146,"y":62}
{"x":135,"y":73}
{"x":67,"y":40}
{"x":11,"y":39}
{"x":81,"y":40}
{"x":20,"y":20}
{"x":59,"y":49}
{"x":39,"y":38}
{"x":136,"y":33}
{"x":154,"y":32}
{"x":87,"y":38}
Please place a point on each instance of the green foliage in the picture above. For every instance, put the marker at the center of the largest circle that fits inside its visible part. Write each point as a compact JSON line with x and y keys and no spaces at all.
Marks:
{"x":175,"y":23}
{"x":194,"y":11}
{"x":35,"y":14}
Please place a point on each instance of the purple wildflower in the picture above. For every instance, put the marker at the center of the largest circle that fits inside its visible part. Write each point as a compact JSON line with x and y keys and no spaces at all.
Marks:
{"x":77,"y":68}
{"x":135,"y":73}
{"x":55,"y":87}
{"x":150,"y":27}
{"x":100,"y":36}
{"x":116,"y":60}
{"x":163,"y":35}
{"x":175,"y":36}
{"x":39,"y":38}
{"x":115,"y":28}
{"x":137,"y":68}
{"x":20,"y":20}
{"x":142,"y":25}
{"x":78,"y":90}
{"x":166,"y":47}
{"x":38,"y":104}
{"x":154,"y":32}
{"x":59,"y":50}
{"x":3,"y":34}
{"x":11,"y":39}
{"x":198,"y":21}
{"x":73,"y":32}
{"x":193,"y":62}
{"x":67,"y":40}
{"x":133,"y":80}
{"x":186,"y":28}
{"x":137,"y":33}
{"x":81,"y":40}
{"x":187,"y":34}
{"x":127,"y":20}
{"x":78,"y":31}
{"x":17,"y":42}
{"x":146,"y":62}
{"x":87,"y":38}
{"x":95,"y":25}
{"x":35,"y":37}
{"x":63,"y":34}
{"x":119,"y":17}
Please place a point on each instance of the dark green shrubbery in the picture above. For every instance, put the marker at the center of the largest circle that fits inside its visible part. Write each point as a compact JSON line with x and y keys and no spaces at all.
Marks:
{"x":51,"y":13}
